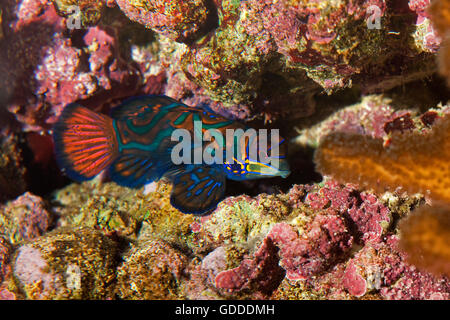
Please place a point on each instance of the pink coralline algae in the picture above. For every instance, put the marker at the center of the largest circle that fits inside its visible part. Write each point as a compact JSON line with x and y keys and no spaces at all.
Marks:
{"x":375,"y":116}
{"x":55,"y":71}
{"x":214,"y":263}
{"x":369,"y":218}
{"x":415,"y":285}
{"x":63,"y":78}
{"x":353,"y":281}
{"x":303,"y":257}
{"x":154,"y":270}
{"x":13,"y":180}
{"x":261,"y":274}
{"x":420,"y":7}
{"x":307,"y":34}
{"x":229,"y":55}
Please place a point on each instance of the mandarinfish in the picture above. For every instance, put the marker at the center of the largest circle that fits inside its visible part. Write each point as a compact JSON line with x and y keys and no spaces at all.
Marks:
{"x":136,"y":146}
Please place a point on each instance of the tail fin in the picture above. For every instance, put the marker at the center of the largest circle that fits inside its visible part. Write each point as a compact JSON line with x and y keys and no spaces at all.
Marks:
{"x":85,"y":142}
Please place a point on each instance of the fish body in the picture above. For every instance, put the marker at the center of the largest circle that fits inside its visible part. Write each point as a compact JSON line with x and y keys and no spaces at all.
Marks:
{"x":135,"y":144}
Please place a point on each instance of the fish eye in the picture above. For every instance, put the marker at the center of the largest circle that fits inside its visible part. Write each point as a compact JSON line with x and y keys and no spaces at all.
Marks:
{"x":236,"y":168}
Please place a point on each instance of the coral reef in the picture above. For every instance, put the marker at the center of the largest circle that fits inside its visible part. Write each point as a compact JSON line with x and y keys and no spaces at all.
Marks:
{"x":355,"y":81}
{"x":314,"y":242}
{"x":426,"y":38}
{"x":412,"y":160}
{"x":223,"y":53}
{"x":261,"y":274}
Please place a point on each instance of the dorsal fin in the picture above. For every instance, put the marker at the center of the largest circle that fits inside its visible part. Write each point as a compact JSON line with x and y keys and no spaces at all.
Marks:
{"x":139,"y":106}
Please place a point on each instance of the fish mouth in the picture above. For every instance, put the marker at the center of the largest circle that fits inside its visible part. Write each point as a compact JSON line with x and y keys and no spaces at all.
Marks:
{"x":283,"y":169}
{"x":284,"y":173}
{"x":281,"y":172}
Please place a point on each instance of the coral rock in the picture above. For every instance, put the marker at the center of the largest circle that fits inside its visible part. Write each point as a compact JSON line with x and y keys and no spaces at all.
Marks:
{"x":440,"y":17}
{"x":425,"y":37}
{"x":259,"y":274}
{"x":303,"y":257}
{"x":414,"y":285}
{"x":56,"y":68}
{"x":106,"y":207}
{"x":353,"y":281}
{"x":25,"y":218}
{"x":5,"y":294}
{"x":439,"y":11}
{"x":151,"y":271}
{"x":181,"y":21}
{"x":67,"y":264}
{"x":374,"y":116}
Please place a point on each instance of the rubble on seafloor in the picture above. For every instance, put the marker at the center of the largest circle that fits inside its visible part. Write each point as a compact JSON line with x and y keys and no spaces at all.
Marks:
{"x":316,"y":69}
